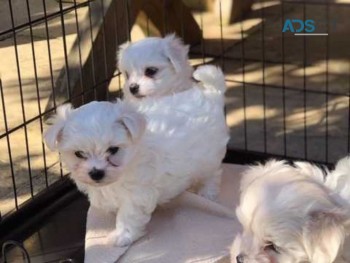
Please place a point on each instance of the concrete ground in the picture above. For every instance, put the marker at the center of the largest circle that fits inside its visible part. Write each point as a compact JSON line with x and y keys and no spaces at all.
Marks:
{"x":274,"y":88}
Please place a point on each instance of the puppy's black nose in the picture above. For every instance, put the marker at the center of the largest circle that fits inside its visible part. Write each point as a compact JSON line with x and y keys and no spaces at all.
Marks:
{"x":240,"y":258}
{"x":96,"y":174}
{"x":134,"y":88}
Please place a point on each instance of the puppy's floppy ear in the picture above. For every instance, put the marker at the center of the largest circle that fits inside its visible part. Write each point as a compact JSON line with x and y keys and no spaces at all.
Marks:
{"x":324,"y":234}
{"x":134,"y":122}
{"x":121,"y":50}
{"x":53,"y":135}
{"x":176,"y":51}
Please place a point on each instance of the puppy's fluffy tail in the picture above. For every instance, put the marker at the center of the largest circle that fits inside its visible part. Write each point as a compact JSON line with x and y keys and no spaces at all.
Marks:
{"x":339,"y":179}
{"x":312,"y":170}
{"x":211,"y":78}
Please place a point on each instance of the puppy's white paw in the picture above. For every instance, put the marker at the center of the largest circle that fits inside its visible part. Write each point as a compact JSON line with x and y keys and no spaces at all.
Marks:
{"x":211,"y":186}
{"x":211,"y":194}
{"x":120,"y":238}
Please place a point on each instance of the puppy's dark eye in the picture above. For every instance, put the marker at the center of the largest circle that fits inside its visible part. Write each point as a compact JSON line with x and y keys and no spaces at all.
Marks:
{"x":271,"y":247}
{"x":80,"y":154}
{"x":113,"y":150}
{"x":150,"y":72}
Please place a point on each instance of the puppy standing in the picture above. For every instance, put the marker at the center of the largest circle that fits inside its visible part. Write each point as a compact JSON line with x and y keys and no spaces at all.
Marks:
{"x":289,"y":215}
{"x":127,"y":165}
{"x":158,"y":80}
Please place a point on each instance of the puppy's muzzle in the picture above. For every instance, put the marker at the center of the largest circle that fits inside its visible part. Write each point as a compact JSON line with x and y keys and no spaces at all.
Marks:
{"x":96,"y":174}
{"x":134,"y":88}
{"x":240,"y":258}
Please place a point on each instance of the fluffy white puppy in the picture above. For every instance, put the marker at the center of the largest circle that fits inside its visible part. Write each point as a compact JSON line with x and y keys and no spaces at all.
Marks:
{"x":289,"y":215}
{"x":159,"y":82}
{"x":127,"y":164}
{"x":154,"y":67}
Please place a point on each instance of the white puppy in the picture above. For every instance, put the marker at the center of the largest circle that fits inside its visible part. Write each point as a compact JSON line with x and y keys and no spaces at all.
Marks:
{"x":289,"y":215}
{"x":128,"y":165}
{"x":155,"y":67}
{"x":158,"y":81}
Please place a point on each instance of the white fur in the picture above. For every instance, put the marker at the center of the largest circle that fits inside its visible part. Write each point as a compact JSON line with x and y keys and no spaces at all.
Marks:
{"x":183,"y":142}
{"x":340,"y":178}
{"x":171,"y":135}
{"x":291,"y":207}
{"x":167,"y":54}
{"x":174,"y":74}
{"x":173,"y":96}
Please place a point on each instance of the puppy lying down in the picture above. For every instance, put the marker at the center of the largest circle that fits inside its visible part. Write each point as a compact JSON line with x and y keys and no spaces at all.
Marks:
{"x":290,"y":214}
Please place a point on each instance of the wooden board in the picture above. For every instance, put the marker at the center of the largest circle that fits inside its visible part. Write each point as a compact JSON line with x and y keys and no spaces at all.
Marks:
{"x":91,"y":61}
